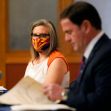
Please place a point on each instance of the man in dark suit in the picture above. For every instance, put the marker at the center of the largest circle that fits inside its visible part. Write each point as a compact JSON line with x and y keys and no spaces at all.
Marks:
{"x":91,"y":91}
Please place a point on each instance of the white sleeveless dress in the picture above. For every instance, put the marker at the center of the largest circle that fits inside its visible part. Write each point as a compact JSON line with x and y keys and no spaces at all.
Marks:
{"x":39,"y":71}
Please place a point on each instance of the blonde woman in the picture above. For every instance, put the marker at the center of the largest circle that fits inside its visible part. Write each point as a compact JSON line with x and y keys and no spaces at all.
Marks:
{"x":47,"y":65}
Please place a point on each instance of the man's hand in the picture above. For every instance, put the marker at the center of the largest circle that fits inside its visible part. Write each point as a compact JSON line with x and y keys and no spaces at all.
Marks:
{"x":53,"y":91}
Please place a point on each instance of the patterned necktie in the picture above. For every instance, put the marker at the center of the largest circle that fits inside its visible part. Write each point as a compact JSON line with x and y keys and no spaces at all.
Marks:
{"x":82,"y":64}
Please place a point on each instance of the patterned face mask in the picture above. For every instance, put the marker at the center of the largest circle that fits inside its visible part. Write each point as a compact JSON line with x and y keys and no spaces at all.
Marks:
{"x":41,"y":43}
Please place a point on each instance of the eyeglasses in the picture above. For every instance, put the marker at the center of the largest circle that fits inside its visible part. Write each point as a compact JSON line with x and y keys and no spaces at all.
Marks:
{"x":39,"y":35}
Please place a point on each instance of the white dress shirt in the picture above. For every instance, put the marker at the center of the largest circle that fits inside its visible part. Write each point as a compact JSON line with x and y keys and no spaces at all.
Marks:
{"x":92,"y":44}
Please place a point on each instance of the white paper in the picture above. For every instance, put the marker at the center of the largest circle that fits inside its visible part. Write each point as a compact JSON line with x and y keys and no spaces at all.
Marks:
{"x":26,"y":91}
{"x":41,"y":107}
{"x":2,"y":88}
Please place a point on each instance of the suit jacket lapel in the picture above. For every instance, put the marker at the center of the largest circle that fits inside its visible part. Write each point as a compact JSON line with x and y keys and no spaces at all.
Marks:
{"x":92,"y":55}
{"x":97,"y":48}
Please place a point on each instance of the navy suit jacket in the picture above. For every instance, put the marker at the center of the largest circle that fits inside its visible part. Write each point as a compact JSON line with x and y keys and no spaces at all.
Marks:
{"x":92,"y":90}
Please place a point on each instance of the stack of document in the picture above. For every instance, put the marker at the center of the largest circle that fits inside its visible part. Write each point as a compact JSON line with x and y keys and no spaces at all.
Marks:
{"x":27,"y":94}
{"x":2,"y":90}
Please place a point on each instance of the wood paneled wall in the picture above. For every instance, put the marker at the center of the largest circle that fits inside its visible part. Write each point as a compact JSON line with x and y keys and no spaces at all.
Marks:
{"x":3,"y":30}
{"x":14,"y":73}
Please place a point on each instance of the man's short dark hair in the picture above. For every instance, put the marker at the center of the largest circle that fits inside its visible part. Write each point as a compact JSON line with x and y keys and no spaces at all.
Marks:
{"x":80,"y":11}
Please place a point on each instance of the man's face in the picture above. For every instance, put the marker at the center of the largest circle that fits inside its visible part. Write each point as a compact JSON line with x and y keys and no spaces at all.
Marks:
{"x":73,"y":34}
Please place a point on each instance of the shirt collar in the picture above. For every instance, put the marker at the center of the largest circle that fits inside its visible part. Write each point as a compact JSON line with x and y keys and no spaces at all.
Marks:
{"x":92,"y":44}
